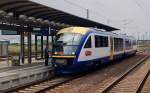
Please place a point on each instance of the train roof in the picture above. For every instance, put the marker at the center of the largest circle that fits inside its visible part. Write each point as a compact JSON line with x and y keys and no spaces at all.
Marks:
{"x":80,"y":30}
{"x":84,"y":30}
{"x":113,"y":34}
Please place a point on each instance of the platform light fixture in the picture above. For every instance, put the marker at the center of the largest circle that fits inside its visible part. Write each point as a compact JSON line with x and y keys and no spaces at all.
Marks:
{"x":63,"y":25}
{"x":52,"y":23}
{"x":58,"y":24}
{"x":23,"y":17}
{"x":39,"y":19}
{"x":32,"y":18}
{"x":2,"y":13}
{"x":47,"y":22}
{"x":10,"y":14}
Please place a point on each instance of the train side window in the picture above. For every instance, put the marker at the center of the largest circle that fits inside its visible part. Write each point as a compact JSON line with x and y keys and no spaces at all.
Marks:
{"x":134,"y":42}
{"x":88,"y":43}
{"x":128,"y":44}
{"x":118,"y":44}
{"x":101,"y":41}
{"x":98,"y":41}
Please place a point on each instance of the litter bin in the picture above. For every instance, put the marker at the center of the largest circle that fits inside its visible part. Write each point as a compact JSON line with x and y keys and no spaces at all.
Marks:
{"x":16,"y":61}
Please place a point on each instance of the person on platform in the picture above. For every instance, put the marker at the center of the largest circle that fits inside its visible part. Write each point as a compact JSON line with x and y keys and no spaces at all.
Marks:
{"x":46,"y":55}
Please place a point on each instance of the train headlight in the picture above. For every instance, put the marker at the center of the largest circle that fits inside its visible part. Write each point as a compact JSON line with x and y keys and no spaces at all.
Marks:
{"x":73,"y":53}
{"x":55,"y":53}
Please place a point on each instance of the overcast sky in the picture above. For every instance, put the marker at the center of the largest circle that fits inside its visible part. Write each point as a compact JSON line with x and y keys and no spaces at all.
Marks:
{"x":131,"y":16}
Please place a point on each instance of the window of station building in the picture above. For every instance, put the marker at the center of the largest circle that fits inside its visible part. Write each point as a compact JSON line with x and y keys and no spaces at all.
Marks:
{"x":88,"y":43}
{"x":118,"y":44}
{"x":101,"y":41}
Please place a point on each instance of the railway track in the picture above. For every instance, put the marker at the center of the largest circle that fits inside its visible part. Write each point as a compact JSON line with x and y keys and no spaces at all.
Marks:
{"x":146,"y":87}
{"x":44,"y":87}
{"x":132,"y":81}
{"x":89,"y":84}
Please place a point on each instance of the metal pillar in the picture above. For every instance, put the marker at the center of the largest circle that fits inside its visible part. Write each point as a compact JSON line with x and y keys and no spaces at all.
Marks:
{"x":42,"y":50}
{"x":29,"y":48}
{"x":52,"y":39}
{"x":22,"y":47}
{"x":47,"y":40}
{"x":87,"y":15}
{"x":36,"y":54}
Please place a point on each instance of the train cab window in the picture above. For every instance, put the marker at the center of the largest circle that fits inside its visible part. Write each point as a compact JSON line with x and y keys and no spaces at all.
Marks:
{"x":88,"y":43}
{"x":101,"y":41}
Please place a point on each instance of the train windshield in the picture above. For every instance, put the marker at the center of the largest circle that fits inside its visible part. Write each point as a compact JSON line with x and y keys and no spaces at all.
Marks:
{"x":66,"y":43}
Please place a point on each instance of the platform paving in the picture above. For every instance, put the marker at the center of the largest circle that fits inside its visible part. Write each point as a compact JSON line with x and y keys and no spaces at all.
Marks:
{"x":7,"y":65}
{"x":14,"y":76}
{"x":5,"y":69}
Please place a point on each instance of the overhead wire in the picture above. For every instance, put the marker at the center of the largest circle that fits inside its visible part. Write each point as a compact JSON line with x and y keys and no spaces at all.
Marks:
{"x":74,"y":4}
{"x":144,"y":10}
{"x":87,"y":9}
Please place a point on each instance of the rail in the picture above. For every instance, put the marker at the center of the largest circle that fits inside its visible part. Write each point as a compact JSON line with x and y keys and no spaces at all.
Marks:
{"x":116,"y":81}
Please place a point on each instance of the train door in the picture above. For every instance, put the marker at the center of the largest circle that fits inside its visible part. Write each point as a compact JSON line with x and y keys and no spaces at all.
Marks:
{"x":86,"y":52}
{"x":111,"y":47}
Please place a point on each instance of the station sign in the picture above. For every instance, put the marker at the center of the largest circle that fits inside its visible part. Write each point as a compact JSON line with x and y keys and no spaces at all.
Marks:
{"x":41,"y":31}
{"x":8,"y":32}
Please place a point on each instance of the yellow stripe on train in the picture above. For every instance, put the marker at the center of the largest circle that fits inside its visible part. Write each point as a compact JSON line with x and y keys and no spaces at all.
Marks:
{"x":63,"y":56}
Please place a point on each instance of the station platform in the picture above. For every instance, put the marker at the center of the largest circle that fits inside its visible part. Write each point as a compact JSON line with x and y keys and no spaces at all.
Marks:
{"x":14,"y":76}
{"x":4,"y":66}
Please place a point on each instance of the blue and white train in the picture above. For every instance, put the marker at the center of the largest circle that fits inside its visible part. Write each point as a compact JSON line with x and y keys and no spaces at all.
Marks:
{"x":77,"y":49}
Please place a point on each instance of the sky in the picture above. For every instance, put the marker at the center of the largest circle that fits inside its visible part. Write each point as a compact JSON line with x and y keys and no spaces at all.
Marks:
{"x":131,"y":16}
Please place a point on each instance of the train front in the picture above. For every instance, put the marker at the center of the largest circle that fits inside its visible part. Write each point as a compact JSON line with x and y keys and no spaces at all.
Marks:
{"x":65,"y":46}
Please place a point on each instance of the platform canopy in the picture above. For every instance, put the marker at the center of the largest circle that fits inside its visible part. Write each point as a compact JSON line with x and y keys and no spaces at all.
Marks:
{"x":52,"y":16}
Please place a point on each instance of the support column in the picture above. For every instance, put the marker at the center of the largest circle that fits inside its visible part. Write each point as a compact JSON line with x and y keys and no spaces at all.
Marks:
{"x":52,"y":38}
{"x":36,"y":47}
{"x":47,"y":40}
{"x":22,"y":47}
{"x":42,"y":47}
{"x":29,"y":48}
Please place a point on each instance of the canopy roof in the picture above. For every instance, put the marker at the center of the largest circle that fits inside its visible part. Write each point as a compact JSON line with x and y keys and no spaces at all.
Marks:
{"x":33,"y":9}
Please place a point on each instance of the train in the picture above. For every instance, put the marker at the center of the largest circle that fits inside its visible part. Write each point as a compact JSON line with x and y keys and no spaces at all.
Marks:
{"x":78,"y":49}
